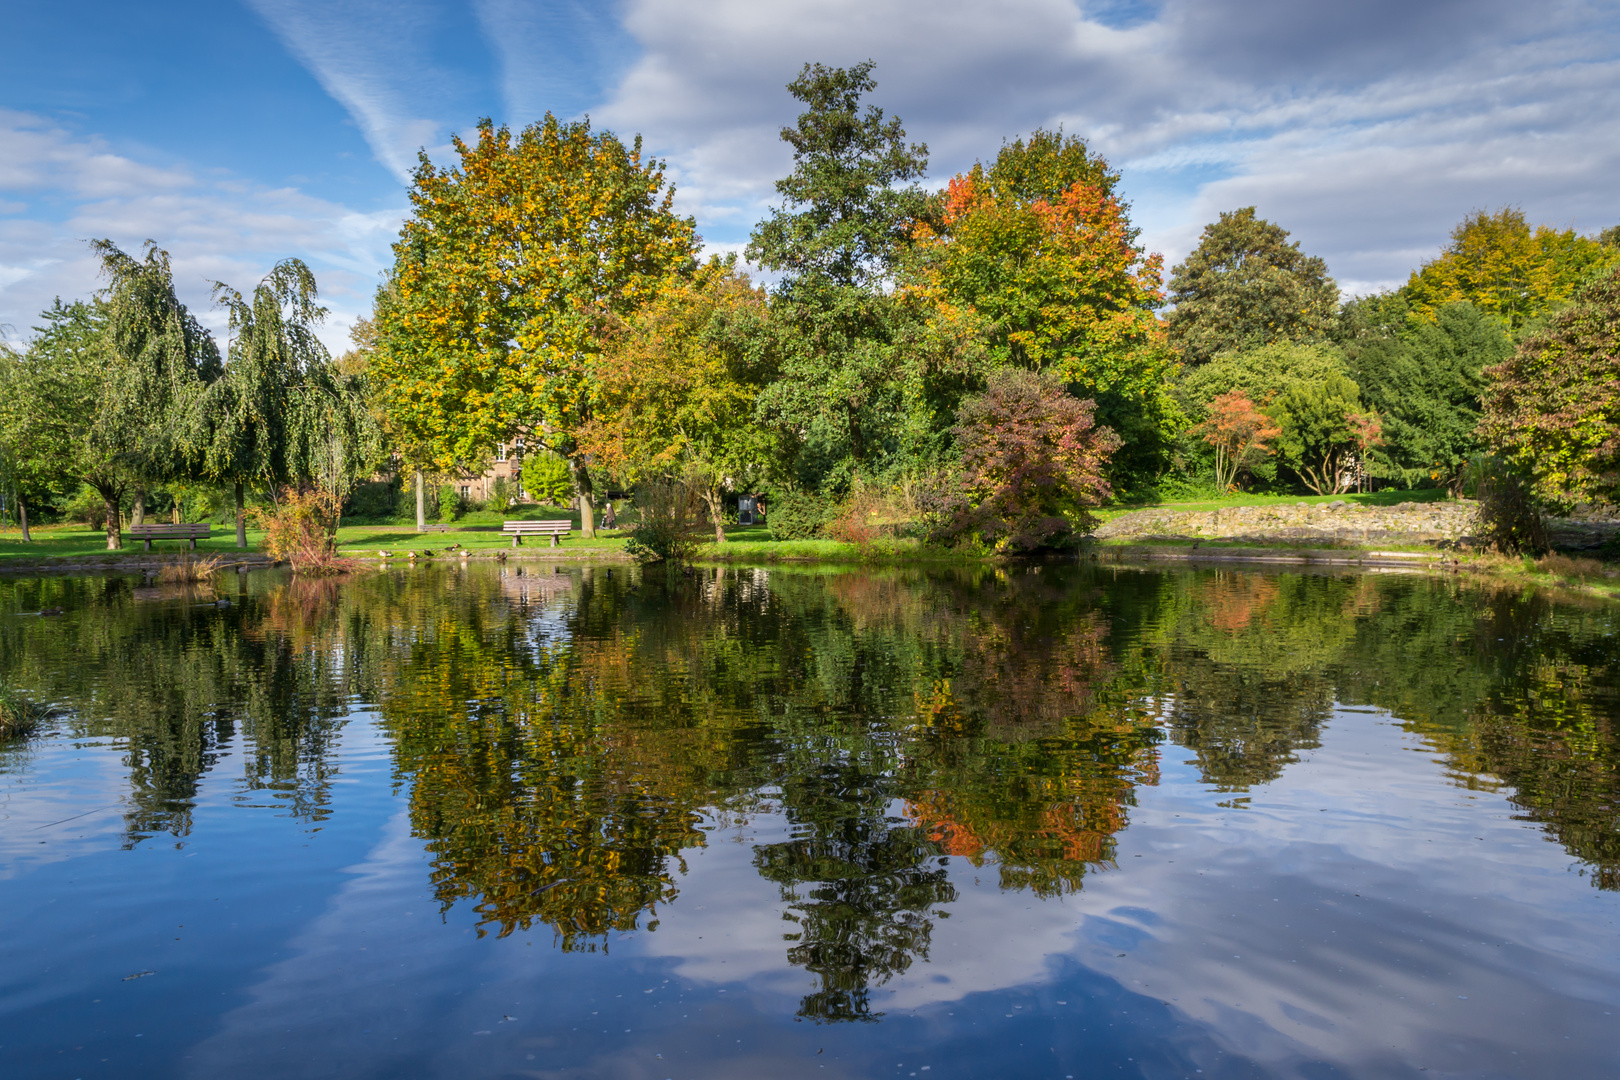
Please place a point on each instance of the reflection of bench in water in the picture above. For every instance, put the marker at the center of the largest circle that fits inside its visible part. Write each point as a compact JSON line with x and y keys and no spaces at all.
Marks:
{"x":536,"y":586}
{"x":517,"y":530}
{"x":192,"y":532}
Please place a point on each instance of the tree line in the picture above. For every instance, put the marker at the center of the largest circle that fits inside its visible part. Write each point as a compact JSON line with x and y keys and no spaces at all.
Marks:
{"x":984,"y":363}
{"x":126,"y":397}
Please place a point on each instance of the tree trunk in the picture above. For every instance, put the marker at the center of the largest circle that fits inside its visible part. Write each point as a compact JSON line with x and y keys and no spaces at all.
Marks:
{"x":241,"y":518}
{"x":587,"y":498}
{"x":115,"y":534}
{"x":137,"y":513}
{"x":22,"y":515}
{"x":716,"y":513}
{"x":421,"y":501}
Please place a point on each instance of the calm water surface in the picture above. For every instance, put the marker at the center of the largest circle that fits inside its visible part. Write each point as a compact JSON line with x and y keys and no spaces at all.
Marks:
{"x":504,"y":821}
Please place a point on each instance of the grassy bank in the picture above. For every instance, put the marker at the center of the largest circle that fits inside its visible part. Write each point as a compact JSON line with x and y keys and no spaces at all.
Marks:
{"x":78,"y":543}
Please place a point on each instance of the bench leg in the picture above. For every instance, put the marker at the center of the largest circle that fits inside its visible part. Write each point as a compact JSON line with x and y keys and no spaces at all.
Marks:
{"x":148,"y":544}
{"x":553,"y":539}
{"x":193,"y":543}
{"x":516,"y":539}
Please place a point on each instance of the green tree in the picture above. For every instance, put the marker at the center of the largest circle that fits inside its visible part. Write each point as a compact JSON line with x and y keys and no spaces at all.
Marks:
{"x":547,"y":479}
{"x":1245,"y":285}
{"x":282,"y":413}
{"x":28,"y":470}
{"x":109,"y":387}
{"x":1307,"y":376}
{"x":849,"y":208}
{"x":506,"y":278}
{"x":1324,"y":432}
{"x":1508,"y":270}
{"x":1423,"y":377}
{"x":1553,"y":407}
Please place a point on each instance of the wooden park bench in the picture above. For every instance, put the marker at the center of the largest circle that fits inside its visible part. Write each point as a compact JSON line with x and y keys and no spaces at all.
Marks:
{"x":192,"y":532}
{"x":519,"y":529}
{"x":434,"y":528}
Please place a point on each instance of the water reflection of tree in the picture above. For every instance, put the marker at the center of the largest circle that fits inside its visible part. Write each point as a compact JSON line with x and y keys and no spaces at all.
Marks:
{"x":177,"y":680}
{"x":1248,"y":672}
{"x":859,"y":885}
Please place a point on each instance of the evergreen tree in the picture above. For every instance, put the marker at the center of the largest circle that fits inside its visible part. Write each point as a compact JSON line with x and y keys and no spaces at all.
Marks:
{"x":1246,"y":285}
{"x":848,"y":210}
{"x":1424,"y":378}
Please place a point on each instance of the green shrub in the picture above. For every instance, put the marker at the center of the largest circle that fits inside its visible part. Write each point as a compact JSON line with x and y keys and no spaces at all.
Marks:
{"x":669,"y":511}
{"x":1509,"y":518}
{"x":546,"y":478}
{"x":451,"y":504}
{"x":374,"y":500}
{"x":797,"y":515}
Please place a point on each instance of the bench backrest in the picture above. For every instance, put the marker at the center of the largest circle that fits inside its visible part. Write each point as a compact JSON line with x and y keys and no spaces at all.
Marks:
{"x":537,"y":527}
{"x":182,"y":531}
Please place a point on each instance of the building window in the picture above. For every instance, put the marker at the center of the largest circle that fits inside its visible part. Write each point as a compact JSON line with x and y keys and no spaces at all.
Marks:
{"x":500,"y":451}
{"x":466,"y":491}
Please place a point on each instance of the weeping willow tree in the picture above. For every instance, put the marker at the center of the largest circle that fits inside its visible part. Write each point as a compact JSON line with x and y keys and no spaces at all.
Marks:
{"x":283,"y":414}
{"x":105,"y":393}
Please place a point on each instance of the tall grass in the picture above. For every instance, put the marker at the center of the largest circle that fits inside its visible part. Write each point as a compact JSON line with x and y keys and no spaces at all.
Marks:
{"x":191,"y":571}
{"x":18,"y":715}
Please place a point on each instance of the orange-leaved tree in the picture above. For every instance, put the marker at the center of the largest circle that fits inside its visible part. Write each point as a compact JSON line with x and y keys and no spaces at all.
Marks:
{"x":1039,"y":247}
{"x":506,"y":277}
{"x":1239,"y":433}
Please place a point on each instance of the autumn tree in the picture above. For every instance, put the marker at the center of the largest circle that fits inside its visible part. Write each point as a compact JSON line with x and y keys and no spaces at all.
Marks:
{"x":847,"y":213}
{"x":283,"y":413}
{"x":1043,"y":254}
{"x":506,"y":277}
{"x":1245,"y":285}
{"x":1033,"y":462}
{"x":1239,"y":433}
{"x":1553,"y":408}
{"x":1508,"y":270}
{"x":676,"y":390}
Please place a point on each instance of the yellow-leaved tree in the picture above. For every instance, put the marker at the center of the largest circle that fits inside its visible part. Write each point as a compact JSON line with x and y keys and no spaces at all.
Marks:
{"x":1502,"y":266}
{"x":506,"y":278}
{"x":677,"y":388}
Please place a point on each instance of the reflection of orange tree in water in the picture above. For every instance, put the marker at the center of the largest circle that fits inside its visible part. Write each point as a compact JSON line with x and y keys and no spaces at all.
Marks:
{"x":1011,"y":759}
{"x":1043,"y":809}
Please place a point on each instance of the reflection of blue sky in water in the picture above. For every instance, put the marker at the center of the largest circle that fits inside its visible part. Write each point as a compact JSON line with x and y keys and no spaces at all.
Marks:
{"x":1358,"y":915}
{"x":1472,"y":948}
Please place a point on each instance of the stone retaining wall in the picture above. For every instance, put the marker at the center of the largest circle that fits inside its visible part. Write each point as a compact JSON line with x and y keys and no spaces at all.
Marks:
{"x":1438,"y":523}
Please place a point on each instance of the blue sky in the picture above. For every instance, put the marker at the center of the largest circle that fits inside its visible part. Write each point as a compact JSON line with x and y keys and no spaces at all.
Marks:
{"x":236,"y":133}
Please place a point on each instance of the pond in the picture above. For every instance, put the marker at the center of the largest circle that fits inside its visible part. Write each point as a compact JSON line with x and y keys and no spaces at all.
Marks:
{"x":511,"y":820}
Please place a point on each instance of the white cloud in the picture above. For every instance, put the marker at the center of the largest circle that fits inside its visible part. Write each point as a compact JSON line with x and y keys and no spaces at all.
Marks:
{"x":1368,"y":131}
{"x":215,"y":228}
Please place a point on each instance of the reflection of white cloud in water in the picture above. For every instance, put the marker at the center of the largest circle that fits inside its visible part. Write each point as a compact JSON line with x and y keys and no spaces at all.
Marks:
{"x":1351,"y":913}
{"x":79,"y":810}
{"x":1458,"y":954}
{"x":728,"y":926}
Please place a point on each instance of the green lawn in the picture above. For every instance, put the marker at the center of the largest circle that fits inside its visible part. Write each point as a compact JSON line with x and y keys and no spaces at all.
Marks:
{"x":482,"y":533}
{"x":1376,"y":498}
{"x":78,"y":541}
